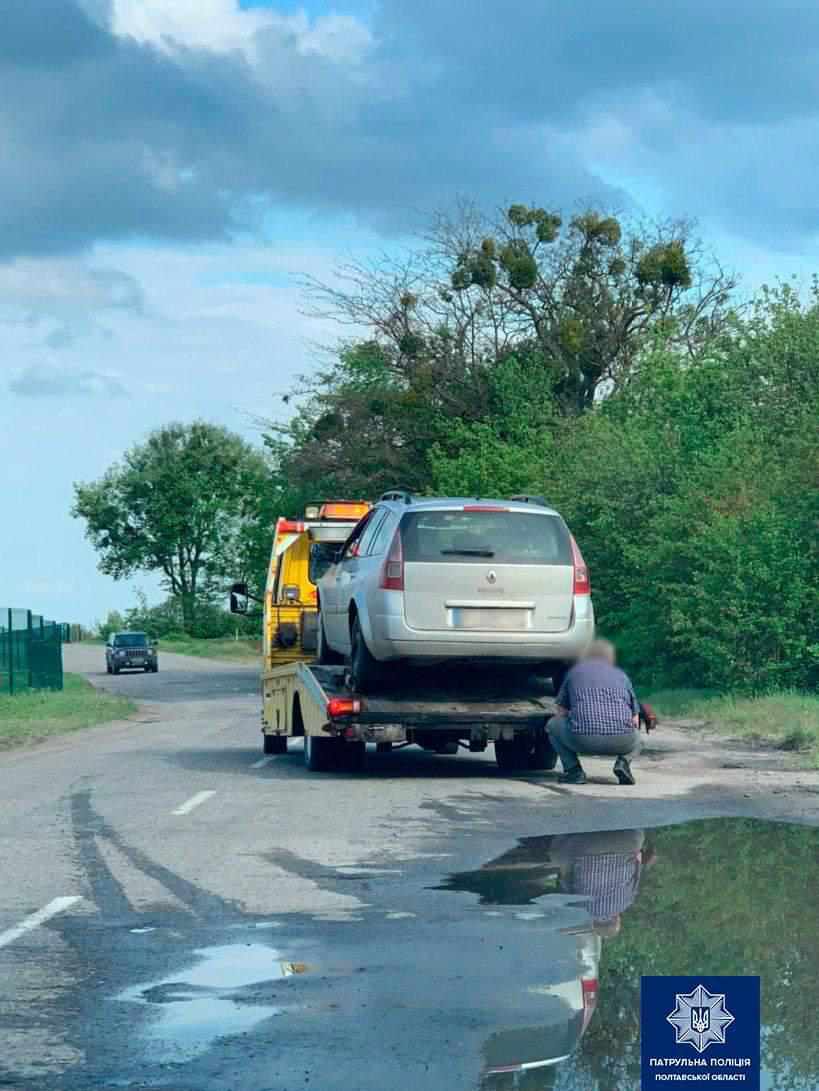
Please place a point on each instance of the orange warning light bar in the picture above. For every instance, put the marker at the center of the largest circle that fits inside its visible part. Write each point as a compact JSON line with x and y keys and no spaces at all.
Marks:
{"x":344,"y":509}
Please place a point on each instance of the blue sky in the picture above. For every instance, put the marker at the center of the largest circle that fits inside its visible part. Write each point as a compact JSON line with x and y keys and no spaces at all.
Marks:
{"x":175,"y":162}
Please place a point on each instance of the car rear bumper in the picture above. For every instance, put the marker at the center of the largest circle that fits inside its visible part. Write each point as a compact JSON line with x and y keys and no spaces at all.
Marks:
{"x":392,"y":638}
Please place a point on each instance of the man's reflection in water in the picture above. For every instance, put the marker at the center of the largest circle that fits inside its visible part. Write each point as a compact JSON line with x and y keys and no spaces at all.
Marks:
{"x":606,"y":868}
{"x":603,"y":870}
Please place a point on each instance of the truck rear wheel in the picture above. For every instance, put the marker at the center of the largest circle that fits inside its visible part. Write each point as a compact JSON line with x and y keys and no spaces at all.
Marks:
{"x":320,"y":754}
{"x":354,"y":756}
{"x":542,"y":755}
{"x":512,"y":755}
{"x":274,"y":744}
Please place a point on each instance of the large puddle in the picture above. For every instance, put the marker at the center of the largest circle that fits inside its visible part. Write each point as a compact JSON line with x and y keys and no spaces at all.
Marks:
{"x":523,"y":973}
{"x":723,"y":897}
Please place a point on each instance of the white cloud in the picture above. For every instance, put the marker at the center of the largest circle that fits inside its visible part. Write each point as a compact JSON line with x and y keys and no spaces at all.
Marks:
{"x":55,"y":381}
{"x":222,"y":26}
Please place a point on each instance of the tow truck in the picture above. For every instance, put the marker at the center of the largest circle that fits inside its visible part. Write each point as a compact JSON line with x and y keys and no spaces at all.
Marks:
{"x":440,"y":710}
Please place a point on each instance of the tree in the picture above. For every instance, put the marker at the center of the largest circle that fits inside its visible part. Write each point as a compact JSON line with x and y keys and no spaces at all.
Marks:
{"x":180,"y":504}
{"x":584,"y":297}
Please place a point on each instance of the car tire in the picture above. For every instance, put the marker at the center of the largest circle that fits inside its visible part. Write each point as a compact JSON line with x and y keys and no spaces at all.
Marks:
{"x":320,"y":754}
{"x":107,"y":668}
{"x":365,"y":671}
{"x":512,"y":755}
{"x":115,"y":669}
{"x":274,"y":744}
{"x":325,"y":656}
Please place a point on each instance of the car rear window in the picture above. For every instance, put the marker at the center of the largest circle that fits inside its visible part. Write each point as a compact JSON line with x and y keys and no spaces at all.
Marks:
{"x":478,"y":537}
{"x":131,"y":640}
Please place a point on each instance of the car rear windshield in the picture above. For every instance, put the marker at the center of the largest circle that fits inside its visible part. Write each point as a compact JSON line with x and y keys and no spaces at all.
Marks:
{"x":499,"y":537}
{"x":130,"y":640}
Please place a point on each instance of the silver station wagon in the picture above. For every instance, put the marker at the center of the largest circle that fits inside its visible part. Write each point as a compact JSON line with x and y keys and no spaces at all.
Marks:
{"x":456,"y":579}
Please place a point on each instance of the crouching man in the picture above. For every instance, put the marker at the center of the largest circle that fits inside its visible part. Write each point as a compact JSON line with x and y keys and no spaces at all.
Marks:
{"x":598,"y":714}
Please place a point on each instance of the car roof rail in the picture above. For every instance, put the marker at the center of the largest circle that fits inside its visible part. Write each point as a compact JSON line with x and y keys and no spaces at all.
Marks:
{"x":398,"y":494}
{"x":524,"y":498}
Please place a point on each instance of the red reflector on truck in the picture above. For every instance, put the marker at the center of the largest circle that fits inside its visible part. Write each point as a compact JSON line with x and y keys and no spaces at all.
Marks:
{"x":339,"y":707}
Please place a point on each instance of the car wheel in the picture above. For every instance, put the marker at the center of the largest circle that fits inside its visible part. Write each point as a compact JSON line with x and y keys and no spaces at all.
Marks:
{"x":320,"y":754}
{"x":107,"y":668}
{"x":365,"y":670}
{"x":324,"y":653}
{"x":274,"y":744}
{"x":115,"y":669}
{"x":512,"y":755}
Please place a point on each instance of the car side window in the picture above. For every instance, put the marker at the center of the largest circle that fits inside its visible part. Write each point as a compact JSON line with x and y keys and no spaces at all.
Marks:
{"x":382,"y":537}
{"x":352,"y":546}
{"x":368,"y":537}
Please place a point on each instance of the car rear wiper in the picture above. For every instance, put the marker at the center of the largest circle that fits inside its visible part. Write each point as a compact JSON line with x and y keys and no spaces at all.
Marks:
{"x":467,"y":553}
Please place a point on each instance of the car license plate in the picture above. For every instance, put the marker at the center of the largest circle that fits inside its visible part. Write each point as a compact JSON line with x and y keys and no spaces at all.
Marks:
{"x":491,"y":619}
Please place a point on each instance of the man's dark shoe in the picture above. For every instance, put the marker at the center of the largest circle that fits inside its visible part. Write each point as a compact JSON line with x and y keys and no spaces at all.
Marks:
{"x":622,"y":770}
{"x":574,"y":776}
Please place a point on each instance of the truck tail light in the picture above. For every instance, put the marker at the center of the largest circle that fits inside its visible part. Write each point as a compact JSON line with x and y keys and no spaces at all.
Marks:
{"x":339,"y":707}
{"x":392,"y":574}
{"x":582,"y":580}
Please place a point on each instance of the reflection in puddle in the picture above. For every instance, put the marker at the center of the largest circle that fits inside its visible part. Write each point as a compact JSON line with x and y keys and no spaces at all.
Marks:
{"x":215,"y":998}
{"x":728,"y":896}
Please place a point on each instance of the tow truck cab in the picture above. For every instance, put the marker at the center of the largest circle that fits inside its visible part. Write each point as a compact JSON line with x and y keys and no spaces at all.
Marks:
{"x":302,"y":551}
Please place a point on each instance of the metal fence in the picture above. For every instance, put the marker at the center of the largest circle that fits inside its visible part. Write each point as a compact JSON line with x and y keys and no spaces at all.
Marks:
{"x":31,"y":652}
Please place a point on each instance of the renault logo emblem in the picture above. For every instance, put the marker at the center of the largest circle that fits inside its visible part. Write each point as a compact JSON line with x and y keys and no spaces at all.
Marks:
{"x":491,"y":577}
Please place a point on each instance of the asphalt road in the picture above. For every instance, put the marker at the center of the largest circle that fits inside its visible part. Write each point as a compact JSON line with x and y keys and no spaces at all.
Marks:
{"x":178,"y":911}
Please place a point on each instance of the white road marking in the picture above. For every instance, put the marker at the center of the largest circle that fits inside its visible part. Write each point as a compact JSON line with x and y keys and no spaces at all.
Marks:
{"x":59,"y":905}
{"x":194,"y":801}
{"x":262,"y":762}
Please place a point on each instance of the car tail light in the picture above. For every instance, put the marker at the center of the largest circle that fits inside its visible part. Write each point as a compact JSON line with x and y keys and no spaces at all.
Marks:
{"x":483,"y":507}
{"x":339,"y":707}
{"x":290,"y":526}
{"x":582,"y":580}
{"x":392,"y":575}
{"x":590,"y":991}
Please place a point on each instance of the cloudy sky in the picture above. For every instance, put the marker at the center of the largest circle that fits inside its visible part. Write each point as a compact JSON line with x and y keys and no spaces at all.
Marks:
{"x":168,"y":165}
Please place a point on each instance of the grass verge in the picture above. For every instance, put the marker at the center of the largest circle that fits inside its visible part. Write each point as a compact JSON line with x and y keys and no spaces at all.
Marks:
{"x":29,"y":717}
{"x":786,"y":720}
{"x":243,"y":649}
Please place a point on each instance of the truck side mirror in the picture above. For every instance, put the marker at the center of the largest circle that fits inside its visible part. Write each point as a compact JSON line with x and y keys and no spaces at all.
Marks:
{"x":239,"y":589}
{"x":237,"y":607}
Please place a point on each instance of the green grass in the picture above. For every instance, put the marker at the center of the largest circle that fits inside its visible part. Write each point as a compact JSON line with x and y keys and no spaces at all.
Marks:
{"x":786,"y":720}
{"x":29,"y":717}
{"x":244,"y":649}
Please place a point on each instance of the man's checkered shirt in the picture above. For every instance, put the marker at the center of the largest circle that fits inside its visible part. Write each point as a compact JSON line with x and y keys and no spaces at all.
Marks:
{"x":600,"y":699}
{"x":611,"y":882}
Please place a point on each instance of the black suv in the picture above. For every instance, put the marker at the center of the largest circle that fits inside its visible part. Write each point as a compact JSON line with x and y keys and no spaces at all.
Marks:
{"x":130,"y":651}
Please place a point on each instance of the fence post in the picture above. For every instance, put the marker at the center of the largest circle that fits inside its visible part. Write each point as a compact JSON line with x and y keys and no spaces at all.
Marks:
{"x":11,"y":656}
{"x":29,"y":638}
